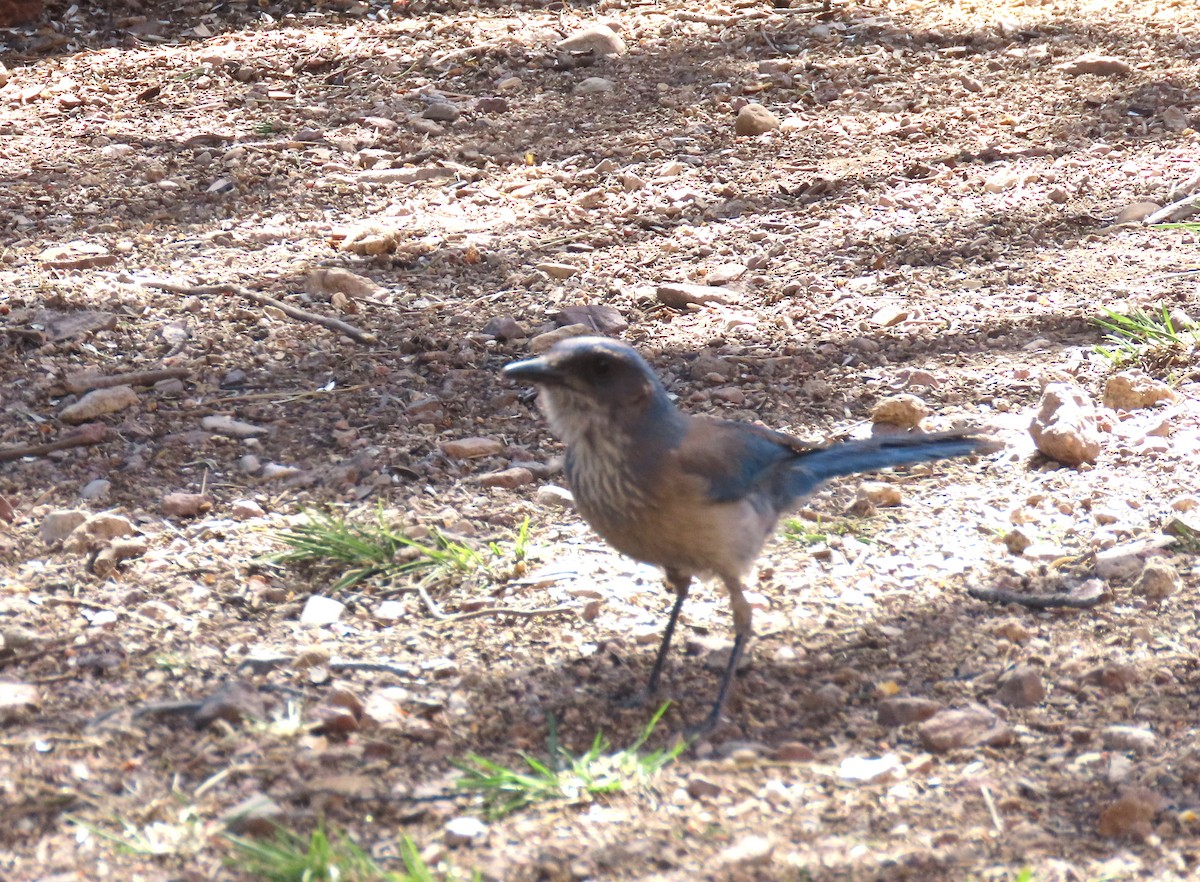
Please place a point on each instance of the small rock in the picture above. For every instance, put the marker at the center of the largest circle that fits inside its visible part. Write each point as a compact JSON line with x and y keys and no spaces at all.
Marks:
{"x":554,"y":496}
{"x":1185,"y":503}
{"x":1021,"y":687}
{"x":905,"y":411}
{"x":18,"y":701}
{"x":1132,"y":390}
{"x":902,"y":711}
{"x":1125,"y":561}
{"x":880,"y":494}
{"x":57,"y":525}
{"x":509,"y":479}
{"x":869,"y":769}
{"x":463,"y":831}
{"x":1129,"y":738}
{"x":96,"y":489}
{"x":442,"y":111}
{"x":557,"y":270}
{"x":1132,"y":815}
{"x":954,"y":729}
{"x":679,"y":295}
{"x":391,"y":610}
{"x":1113,"y":677}
{"x":599,"y":39}
{"x":602,"y":318}
{"x":320,"y":611}
{"x":748,"y":851}
{"x":509,"y":84}
{"x":472,"y":448}
{"x":699,"y":788}
{"x":233,"y":702}
{"x":729,"y":395}
{"x":1136,"y":212}
{"x":889,"y":316}
{"x":504,"y":327}
{"x":726,"y":273}
{"x":250,"y":464}
{"x":244,"y":509}
{"x":754,"y":119}
{"x":1094,"y":63}
{"x":543,"y":342}
{"x":1158,"y":580}
{"x":99,"y":402}
{"x":794,"y":752}
{"x":231,"y":428}
{"x":185,"y":505}
{"x":492,"y":104}
{"x":593,"y":86}
{"x":336,"y":280}
{"x":1065,"y":427}
{"x":1016,"y":541}
{"x":96,"y":532}
{"x":257,"y":815}
{"x":277,"y":471}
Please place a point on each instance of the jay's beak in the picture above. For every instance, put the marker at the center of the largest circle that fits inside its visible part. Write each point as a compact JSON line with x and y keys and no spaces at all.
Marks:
{"x":533,"y":370}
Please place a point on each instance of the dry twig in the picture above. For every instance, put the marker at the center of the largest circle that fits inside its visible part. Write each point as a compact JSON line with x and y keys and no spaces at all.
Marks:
{"x":88,"y":434}
{"x":303,"y":315}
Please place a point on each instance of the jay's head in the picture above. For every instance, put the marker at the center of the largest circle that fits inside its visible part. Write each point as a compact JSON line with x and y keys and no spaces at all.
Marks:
{"x":590,"y":385}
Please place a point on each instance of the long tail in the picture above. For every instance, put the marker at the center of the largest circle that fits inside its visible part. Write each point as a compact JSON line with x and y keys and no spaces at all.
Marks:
{"x":812,"y":468}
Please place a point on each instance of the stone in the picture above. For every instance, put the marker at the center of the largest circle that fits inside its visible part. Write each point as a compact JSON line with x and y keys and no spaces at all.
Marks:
{"x":472,"y":448}
{"x":1096,"y":64}
{"x":244,"y":509}
{"x":1065,"y":427}
{"x":442,"y":111}
{"x":319,"y":611}
{"x":750,"y":850}
{"x":508,"y":479}
{"x":680,"y":295}
{"x":231,"y":428}
{"x":99,"y":402}
{"x":971,"y":727}
{"x":593,"y":86}
{"x":1125,"y":561}
{"x":96,"y":489}
{"x":1133,"y":390}
{"x":557,"y":270}
{"x":754,"y":119}
{"x":504,"y":327}
{"x":599,"y":39}
{"x":602,"y":318}
{"x":543,"y":342}
{"x":903,"y":710}
{"x":1129,"y":738}
{"x":699,"y":787}
{"x":185,"y":505}
{"x":57,"y":525}
{"x":96,"y":532}
{"x":464,"y":831}
{"x":256,"y":815}
{"x":1158,"y":581}
{"x":905,"y":411}
{"x":1021,"y":687}
{"x":554,"y":496}
{"x":869,"y":769}
{"x":880,"y":494}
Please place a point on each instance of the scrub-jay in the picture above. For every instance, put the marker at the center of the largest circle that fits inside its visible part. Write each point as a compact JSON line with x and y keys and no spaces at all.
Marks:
{"x":694,"y":495}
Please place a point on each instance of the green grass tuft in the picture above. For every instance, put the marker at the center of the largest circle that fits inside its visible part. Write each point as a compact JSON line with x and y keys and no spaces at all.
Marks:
{"x":562,"y":776}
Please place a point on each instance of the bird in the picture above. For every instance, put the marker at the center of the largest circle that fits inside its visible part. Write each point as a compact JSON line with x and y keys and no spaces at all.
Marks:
{"x":692,"y":494}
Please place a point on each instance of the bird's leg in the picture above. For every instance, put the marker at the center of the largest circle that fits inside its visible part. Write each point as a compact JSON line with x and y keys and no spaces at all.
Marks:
{"x":680,"y":582}
{"x":743,"y":627}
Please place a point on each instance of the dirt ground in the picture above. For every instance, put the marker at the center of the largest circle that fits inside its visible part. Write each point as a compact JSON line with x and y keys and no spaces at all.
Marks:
{"x":935,"y":214}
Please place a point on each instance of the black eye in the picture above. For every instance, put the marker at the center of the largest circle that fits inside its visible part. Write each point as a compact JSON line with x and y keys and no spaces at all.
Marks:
{"x":601,"y":369}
